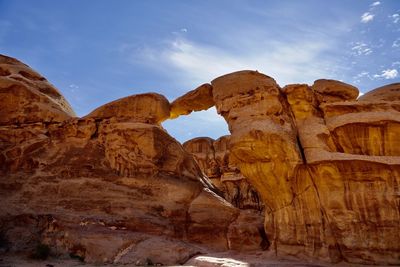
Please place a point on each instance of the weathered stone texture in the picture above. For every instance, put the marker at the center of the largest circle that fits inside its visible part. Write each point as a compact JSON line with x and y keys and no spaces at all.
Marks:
{"x":326,"y":165}
{"x":115,"y":187}
{"x":213,"y":159}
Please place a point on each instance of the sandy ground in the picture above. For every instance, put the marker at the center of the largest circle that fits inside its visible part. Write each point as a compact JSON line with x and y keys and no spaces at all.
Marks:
{"x":226,"y":259}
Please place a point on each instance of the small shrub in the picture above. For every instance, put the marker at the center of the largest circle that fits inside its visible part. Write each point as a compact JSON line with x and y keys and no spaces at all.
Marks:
{"x":41,"y":252}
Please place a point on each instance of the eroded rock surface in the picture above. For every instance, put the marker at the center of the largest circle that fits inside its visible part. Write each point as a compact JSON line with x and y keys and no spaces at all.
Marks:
{"x":213,"y":158}
{"x":27,"y":97}
{"x":113,"y":186}
{"x":198,"y":99}
{"x":325,"y":164}
{"x":147,"y":108}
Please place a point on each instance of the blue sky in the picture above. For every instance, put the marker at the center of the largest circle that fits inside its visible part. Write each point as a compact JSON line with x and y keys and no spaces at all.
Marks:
{"x":98,"y":51}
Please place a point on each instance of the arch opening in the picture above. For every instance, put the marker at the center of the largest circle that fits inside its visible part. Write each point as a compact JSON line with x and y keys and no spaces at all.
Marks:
{"x":197,"y":124}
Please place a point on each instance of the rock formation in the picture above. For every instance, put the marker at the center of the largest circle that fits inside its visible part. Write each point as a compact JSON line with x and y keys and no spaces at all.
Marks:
{"x":27,"y":97}
{"x":326,"y":165}
{"x":110,"y":187}
{"x":113,"y":186}
{"x":195,"y":100}
{"x":213,"y":158}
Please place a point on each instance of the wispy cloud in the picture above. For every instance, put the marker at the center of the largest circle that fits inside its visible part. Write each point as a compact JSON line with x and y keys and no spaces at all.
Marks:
{"x":73,"y":87}
{"x":285,"y":61}
{"x":395,"y":17}
{"x":362,"y":74}
{"x":396,"y":43}
{"x":377,"y":3}
{"x":360,"y":49}
{"x":367,"y":17}
{"x":387,"y":74}
{"x":357,"y":78}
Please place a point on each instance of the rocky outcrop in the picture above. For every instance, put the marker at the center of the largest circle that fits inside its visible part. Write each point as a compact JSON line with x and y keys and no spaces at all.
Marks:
{"x":113,"y":186}
{"x":195,"y":100}
{"x":146,"y":108}
{"x":325,"y":164}
{"x":333,"y":91}
{"x":213,"y":158}
{"x":388,"y":93}
{"x":27,"y":97}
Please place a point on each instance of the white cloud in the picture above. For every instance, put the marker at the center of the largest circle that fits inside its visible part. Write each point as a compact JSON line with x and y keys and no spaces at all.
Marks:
{"x":387,"y":74}
{"x":396,"y":43}
{"x":377,"y":3}
{"x":184,"y":30}
{"x":395,"y":17}
{"x":361,"y":74}
{"x":361,"y":48}
{"x":73,"y":87}
{"x":357,"y":78}
{"x":367,"y":17}
{"x":287,"y":62}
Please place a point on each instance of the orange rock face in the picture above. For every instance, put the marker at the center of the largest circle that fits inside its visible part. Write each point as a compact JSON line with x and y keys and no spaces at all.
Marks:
{"x":115,"y":187}
{"x":213,"y":159}
{"x":198,"y":99}
{"x":110,"y":187}
{"x":27,"y":97}
{"x":326,"y":165}
{"x":147,"y":108}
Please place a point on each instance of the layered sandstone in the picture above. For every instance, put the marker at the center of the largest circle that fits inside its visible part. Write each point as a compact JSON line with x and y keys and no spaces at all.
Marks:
{"x":325,"y":164}
{"x":213,"y":158}
{"x":27,"y":97}
{"x":146,"y":108}
{"x":195,"y":100}
{"x":113,"y":186}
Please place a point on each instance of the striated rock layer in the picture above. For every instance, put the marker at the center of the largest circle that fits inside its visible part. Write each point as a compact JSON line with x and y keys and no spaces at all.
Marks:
{"x":115,"y":187}
{"x":327,"y":166}
{"x":110,"y":187}
{"x":213,"y":159}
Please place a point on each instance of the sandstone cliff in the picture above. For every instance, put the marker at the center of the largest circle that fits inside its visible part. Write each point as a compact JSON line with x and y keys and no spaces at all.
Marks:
{"x":325,"y":164}
{"x":113,"y":186}
{"x":213,"y":158}
{"x":110,"y":187}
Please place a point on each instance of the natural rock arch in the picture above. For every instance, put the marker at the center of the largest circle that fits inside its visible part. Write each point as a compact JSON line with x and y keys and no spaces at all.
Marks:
{"x":111,"y":187}
{"x":301,"y":147}
{"x":327,"y":167}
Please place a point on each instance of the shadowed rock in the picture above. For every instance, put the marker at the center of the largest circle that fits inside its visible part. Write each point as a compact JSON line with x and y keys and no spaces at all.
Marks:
{"x":113,"y":185}
{"x":213,"y":158}
{"x":326,"y":165}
